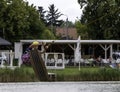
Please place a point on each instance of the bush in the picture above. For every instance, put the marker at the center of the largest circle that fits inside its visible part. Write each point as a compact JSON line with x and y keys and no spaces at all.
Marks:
{"x":90,"y":74}
{"x":26,"y":74}
{"x":17,"y":75}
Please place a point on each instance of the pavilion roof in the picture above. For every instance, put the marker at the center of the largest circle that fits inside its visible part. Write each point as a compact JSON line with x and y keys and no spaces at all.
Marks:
{"x":75,"y":41}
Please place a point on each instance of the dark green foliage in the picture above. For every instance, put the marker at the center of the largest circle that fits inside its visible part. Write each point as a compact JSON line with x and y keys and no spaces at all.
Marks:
{"x":17,"y":75}
{"x":26,"y":74}
{"x":53,"y":15}
{"x":19,"y":20}
{"x":53,"y":18}
{"x":82,"y":30}
{"x":4,"y":75}
{"x":42,"y":13}
{"x":88,"y":74}
{"x":102,"y":18}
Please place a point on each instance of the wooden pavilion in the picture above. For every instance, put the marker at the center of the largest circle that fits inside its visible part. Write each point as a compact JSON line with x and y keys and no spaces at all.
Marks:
{"x":68,"y":47}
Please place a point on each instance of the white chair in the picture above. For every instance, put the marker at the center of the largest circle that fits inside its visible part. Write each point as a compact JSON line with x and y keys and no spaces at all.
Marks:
{"x":66,"y":61}
{"x":60,"y":61}
{"x":52,"y":60}
{"x":118,"y":60}
{"x":105,"y":61}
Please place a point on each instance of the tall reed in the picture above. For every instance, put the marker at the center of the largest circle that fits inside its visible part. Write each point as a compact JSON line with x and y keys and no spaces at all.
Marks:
{"x":26,"y":74}
{"x":101,"y":74}
{"x":17,"y":75}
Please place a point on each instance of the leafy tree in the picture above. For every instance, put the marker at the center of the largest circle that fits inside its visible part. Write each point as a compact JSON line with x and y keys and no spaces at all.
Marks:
{"x":15,"y":19}
{"x":3,"y":7}
{"x":101,"y":18}
{"x":47,"y":35}
{"x":81,"y":30}
{"x":20,"y":20}
{"x":53,"y":17}
{"x":42,"y":13}
{"x":36,"y":27}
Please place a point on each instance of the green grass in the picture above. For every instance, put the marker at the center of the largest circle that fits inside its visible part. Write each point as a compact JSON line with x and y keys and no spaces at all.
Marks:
{"x":23,"y":74}
{"x":73,"y":70}
{"x":87,"y":74}
{"x":26,"y":74}
{"x":66,"y":71}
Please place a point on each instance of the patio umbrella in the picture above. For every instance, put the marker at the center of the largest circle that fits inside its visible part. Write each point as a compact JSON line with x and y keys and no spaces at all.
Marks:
{"x":78,"y":52}
{"x":4,"y":42}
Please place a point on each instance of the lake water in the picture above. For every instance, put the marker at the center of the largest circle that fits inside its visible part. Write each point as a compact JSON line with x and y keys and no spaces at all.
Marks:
{"x":113,"y":86}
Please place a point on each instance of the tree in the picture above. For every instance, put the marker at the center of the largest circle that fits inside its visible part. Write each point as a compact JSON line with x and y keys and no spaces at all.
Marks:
{"x":81,"y":30}
{"x":53,"y":17}
{"x":47,"y":35}
{"x":36,"y":27}
{"x":12,"y":19}
{"x":20,"y":21}
{"x":42,"y":13}
{"x":15,"y":19}
{"x":101,"y":18}
{"x":3,"y":7}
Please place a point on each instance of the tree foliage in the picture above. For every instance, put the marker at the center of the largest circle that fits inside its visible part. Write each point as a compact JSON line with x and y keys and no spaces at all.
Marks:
{"x":19,"y":20}
{"x":42,"y":13}
{"x":102,"y":18}
{"x":47,"y":35}
{"x":15,"y":19}
{"x":53,"y":16}
{"x":82,"y":30}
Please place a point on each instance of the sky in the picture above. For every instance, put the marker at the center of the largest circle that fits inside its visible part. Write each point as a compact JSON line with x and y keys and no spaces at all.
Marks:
{"x":70,"y":8}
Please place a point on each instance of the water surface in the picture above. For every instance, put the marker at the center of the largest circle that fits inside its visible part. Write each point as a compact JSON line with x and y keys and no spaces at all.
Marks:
{"x":113,"y":86}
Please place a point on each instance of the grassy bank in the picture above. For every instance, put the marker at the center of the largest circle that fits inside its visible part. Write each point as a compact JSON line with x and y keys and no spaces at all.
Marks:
{"x":26,"y":74}
{"x":88,"y":74}
{"x":23,"y":74}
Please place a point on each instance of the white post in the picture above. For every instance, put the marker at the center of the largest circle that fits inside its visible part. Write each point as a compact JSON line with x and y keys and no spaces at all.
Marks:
{"x":42,"y":55}
{"x":63,"y":60}
{"x":111,"y":50}
{"x":46,"y":58}
{"x":105,"y":52}
{"x":105,"y":49}
{"x":56,"y":58}
{"x":20,"y":54}
{"x":74,"y":53}
{"x":11,"y":58}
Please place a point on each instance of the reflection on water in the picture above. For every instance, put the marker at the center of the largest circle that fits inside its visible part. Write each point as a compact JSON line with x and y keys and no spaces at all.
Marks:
{"x":61,"y":87}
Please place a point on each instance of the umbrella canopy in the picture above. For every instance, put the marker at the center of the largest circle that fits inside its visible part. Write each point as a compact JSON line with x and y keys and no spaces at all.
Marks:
{"x":4,"y":42}
{"x":77,"y":51}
